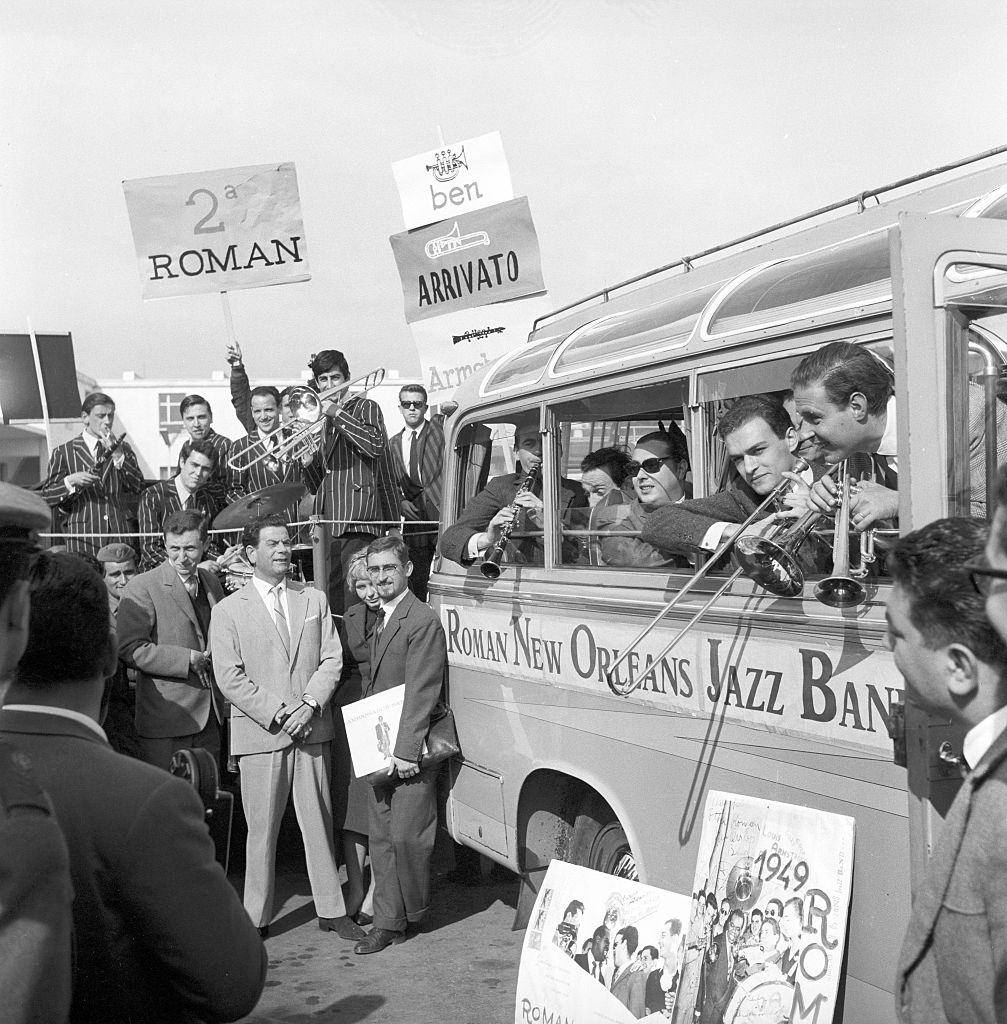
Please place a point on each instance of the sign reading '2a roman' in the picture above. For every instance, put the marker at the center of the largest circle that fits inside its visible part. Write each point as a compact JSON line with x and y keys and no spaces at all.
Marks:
{"x":218,"y":230}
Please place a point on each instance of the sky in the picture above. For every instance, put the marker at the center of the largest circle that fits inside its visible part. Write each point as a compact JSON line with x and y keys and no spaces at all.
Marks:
{"x":640,"y":130}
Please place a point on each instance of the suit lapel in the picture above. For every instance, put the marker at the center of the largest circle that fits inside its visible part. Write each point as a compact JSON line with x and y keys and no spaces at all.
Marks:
{"x":380,"y":645}
{"x":178,"y":592}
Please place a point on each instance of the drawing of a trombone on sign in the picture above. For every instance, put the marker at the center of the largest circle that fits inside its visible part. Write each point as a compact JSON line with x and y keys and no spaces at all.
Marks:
{"x":454,"y":241}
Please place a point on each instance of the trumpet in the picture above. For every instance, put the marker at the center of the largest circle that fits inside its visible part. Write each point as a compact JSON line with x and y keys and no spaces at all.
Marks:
{"x":301,"y":437}
{"x":490,"y":565}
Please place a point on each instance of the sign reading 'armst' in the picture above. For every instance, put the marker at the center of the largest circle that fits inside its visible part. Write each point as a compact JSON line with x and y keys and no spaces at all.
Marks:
{"x":470,"y":260}
{"x":216,"y":231}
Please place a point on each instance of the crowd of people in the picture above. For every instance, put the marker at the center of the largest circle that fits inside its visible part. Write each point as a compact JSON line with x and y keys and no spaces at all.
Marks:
{"x":117,"y":656}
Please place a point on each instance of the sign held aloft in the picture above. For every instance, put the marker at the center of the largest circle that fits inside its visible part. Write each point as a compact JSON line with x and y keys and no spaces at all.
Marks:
{"x":215,"y":231}
{"x":468,"y":261}
{"x":454,"y":179}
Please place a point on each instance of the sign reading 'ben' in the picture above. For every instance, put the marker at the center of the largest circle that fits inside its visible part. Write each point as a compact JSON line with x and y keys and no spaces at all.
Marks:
{"x":219,"y":230}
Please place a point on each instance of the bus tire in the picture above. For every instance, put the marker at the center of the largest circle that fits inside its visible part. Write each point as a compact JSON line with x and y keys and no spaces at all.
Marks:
{"x":600,"y":842}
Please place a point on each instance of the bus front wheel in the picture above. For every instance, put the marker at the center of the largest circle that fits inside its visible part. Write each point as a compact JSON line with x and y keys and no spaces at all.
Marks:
{"x":599,"y":842}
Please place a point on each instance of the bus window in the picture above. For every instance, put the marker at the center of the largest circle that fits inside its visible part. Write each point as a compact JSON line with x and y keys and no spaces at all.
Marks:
{"x":629,"y":454}
{"x":493,"y":521}
{"x":977,"y":414}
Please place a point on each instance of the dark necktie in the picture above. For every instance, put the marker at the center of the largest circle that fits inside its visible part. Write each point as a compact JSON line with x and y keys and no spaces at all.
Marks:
{"x":414,"y":459}
{"x":380,"y":624}
{"x":885,"y":473}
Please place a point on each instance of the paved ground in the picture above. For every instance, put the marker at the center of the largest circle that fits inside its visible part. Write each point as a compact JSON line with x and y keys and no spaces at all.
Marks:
{"x":462,"y":968}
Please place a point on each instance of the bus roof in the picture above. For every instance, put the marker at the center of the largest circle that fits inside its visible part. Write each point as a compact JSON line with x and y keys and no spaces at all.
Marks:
{"x":833,"y":270}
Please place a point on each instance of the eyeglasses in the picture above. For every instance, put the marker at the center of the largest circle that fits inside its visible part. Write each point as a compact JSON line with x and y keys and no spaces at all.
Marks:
{"x":648,"y":465}
{"x":982,"y":576}
{"x":413,"y":405}
{"x":375,"y":572}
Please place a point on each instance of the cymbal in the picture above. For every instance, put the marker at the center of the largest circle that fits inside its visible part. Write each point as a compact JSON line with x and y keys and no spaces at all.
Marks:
{"x":265,"y":502}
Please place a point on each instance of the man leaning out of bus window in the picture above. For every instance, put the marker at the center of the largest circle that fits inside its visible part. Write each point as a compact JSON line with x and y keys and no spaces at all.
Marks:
{"x":503,"y":505}
{"x":658,"y":471}
{"x":953,"y":964}
{"x":761,"y":443}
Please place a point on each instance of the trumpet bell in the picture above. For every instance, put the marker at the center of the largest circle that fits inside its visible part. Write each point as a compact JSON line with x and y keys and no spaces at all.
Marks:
{"x":305,"y":406}
{"x":840,"y":592}
{"x":770,"y":565}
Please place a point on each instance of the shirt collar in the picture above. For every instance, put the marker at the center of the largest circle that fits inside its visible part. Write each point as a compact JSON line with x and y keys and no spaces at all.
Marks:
{"x":981,"y":737}
{"x":180,"y":490}
{"x":390,"y":606}
{"x":49,"y":709}
{"x":890,"y":438}
{"x":265,"y":589}
{"x":91,"y":441}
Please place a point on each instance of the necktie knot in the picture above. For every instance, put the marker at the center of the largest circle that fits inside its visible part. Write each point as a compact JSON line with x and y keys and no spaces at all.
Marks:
{"x":191,"y":584}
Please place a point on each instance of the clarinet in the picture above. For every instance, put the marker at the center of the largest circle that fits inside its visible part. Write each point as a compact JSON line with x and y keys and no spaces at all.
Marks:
{"x":490,"y":566}
{"x":112,"y":443}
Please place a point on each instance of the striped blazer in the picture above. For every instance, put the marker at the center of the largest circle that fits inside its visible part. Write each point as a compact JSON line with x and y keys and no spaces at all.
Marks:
{"x":431,"y":460}
{"x":268,"y":472}
{"x":103,"y":508}
{"x":156,"y":503}
{"x":217,"y":487}
{"x":358,"y":488}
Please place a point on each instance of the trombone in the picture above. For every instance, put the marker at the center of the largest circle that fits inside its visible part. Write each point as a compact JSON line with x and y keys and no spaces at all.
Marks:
{"x":302,"y":434}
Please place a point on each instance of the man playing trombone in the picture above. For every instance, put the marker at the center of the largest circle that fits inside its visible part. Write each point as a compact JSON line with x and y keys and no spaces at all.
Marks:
{"x":90,"y":479}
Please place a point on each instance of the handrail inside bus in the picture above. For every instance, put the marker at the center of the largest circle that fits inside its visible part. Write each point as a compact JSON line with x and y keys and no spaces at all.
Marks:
{"x":687,"y":261}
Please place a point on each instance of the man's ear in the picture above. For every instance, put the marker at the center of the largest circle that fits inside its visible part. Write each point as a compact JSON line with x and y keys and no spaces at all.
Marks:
{"x":793,"y":439}
{"x":962,"y":672}
{"x":408,"y":569}
{"x":858,"y":406}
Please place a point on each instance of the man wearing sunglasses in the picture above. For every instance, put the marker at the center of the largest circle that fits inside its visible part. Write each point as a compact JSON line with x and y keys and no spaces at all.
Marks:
{"x":953,"y":964}
{"x":417,"y":456}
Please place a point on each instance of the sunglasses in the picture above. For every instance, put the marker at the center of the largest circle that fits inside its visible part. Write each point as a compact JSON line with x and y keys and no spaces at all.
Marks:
{"x":982,"y":576}
{"x":413,"y":405}
{"x":651,"y":466}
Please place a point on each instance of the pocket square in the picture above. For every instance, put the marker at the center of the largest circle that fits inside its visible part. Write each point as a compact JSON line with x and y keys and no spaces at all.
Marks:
{"x":311,"y":618}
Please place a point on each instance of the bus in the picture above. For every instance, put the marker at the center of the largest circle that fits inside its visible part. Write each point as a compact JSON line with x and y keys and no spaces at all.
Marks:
{"x":768,"y":696}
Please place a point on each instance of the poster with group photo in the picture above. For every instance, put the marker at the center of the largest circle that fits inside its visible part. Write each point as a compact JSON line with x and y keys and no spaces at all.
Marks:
{"x":600,"y":950}
{"x":768,"y":921}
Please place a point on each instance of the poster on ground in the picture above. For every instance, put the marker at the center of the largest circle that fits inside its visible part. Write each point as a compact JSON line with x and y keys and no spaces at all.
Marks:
{"x":456,"y":178}
{"x":214,"y":231}
{"x":600,"y":950}
{"x":772,"y":894}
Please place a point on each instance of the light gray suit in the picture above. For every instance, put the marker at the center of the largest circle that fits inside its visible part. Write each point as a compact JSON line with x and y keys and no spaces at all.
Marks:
{"x":256,"y":675}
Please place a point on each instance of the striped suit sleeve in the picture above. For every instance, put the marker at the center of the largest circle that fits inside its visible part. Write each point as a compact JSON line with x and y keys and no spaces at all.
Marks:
{"x":130,"y":477}
{"x":362,"y":424}
{"x":152,"y":552}
{"x":54,"y":490}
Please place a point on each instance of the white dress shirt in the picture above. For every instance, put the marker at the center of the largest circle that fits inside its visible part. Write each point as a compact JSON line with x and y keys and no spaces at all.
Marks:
{"x":981,"y":737}
{"x":266,"y":593}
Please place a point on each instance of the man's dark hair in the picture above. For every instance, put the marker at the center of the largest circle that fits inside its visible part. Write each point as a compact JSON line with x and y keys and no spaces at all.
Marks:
{"x":613,"y":460}
{"x":843,"y":368}
{"x":674,"y":441}
{"x":251,"y":533}
{"x":573,"y":907}
{"x":779,"y":903}
{"x":943,"y":604}
{"x":795,"y":903}
{"x":755,"y":407}
{"x":190,"y":400}
{"x":601,"y":932}
{"x":15,"y":560}
{"x":265,"y":391}
{"x":632,"y":937}
{"x":182,"y":521}
{"x":711,"y":901}
{"x":417,"y":389}
{"x":68,"y":631}
{"x":95,"y":398}
{"x":736,"y":914}
{"x":327,"y":360}
{"x":204,"y":448}
{"x":394,"y":544}
{"x":652,"y":950}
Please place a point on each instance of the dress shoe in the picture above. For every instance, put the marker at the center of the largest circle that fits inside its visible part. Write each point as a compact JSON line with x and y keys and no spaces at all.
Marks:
{"x":361,"y":918}
{"x":263,"y":931}
{"x":378,"y":939}
{"x":345,"y":927}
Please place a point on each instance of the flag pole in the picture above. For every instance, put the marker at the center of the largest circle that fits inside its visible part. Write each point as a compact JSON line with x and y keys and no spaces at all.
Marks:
{"x":41,"y":385}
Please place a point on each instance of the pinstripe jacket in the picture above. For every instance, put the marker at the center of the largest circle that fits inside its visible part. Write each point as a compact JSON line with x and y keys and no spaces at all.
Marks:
{"x":156,"y":503}
{"x":217,"y":487}
{"x":103,"y":508}
{"x":431,"y":460}
{"x":267,"y":472}
{"x":358,"y":488}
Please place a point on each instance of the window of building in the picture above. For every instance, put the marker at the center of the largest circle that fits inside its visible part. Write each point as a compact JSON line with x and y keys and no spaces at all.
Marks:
{"x":168,"y":417}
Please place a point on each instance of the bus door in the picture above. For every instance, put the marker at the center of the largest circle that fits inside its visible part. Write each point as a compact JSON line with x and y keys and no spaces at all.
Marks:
{"x":949,"y":294}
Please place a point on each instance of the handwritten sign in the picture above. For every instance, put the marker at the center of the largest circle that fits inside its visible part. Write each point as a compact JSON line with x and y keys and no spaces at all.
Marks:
{"x":219,"y":230}
{"x":810,"y":690}
{"x":453,"y":179}
{"x":471,"y":260}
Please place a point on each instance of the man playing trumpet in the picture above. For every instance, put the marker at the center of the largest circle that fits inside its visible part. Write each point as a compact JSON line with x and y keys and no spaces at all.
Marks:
{"x":90,"y":480}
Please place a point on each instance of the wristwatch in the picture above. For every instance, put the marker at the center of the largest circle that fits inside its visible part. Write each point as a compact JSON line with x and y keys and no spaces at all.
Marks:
{"x":312,"y":703}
